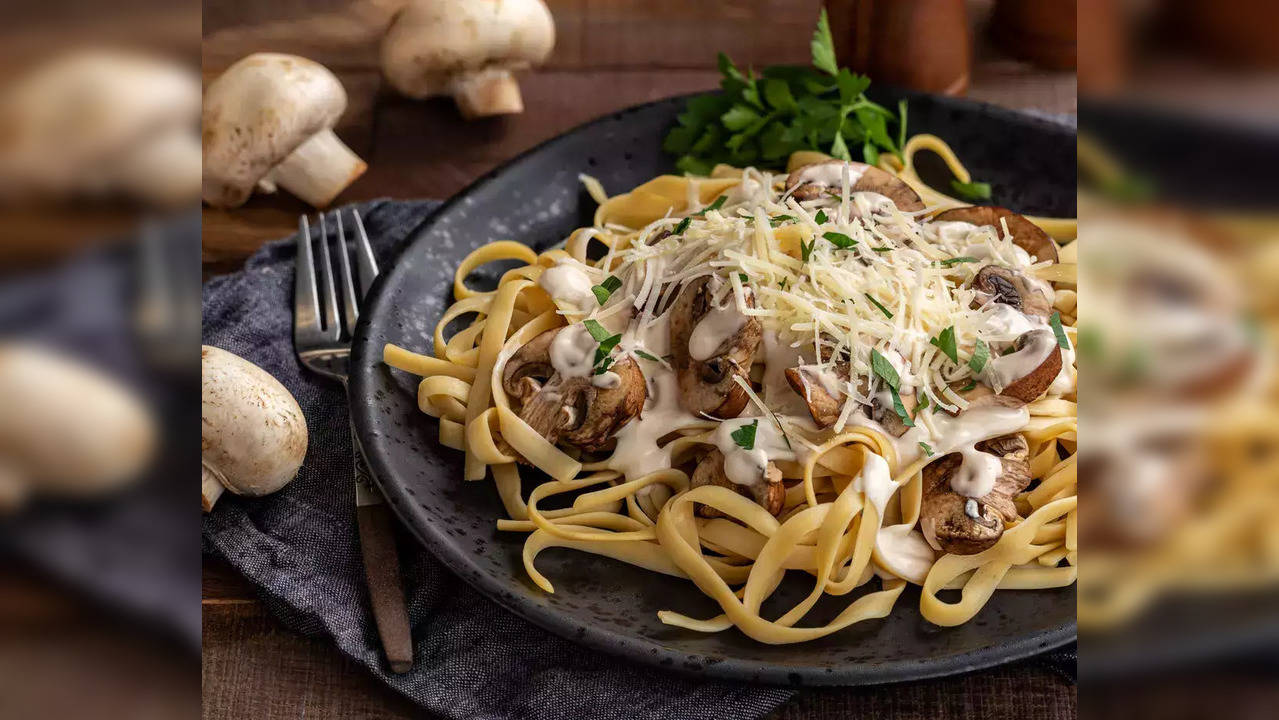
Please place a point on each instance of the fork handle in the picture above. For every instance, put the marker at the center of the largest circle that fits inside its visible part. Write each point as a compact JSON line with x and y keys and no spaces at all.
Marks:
{"x":382,"y":573}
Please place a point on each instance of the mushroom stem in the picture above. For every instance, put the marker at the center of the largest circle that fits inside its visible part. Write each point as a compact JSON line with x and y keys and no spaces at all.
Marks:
{"x":317,"y":170}
{"x":210,"y":488}
{"x":489,"y":92}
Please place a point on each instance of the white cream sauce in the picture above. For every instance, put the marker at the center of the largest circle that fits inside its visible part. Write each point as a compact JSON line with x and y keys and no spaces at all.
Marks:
{"x":573,"y":355}
{"x":976,"y":475}
{"x":714,"y":329}
{"x":568,"y":281}
{"x":1004,"y":370}
{"x":637,"y":452}
{"x":961,"y":433}
{"x":747,"y":467}
{"x":904,"y":552}
{"x":830,"y":173}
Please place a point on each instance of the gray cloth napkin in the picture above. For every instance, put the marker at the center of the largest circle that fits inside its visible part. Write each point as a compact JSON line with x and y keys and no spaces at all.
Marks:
{"x":472,"y":658}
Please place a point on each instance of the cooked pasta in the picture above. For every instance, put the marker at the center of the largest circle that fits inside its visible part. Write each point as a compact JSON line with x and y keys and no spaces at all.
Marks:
{"x":839,"y":373}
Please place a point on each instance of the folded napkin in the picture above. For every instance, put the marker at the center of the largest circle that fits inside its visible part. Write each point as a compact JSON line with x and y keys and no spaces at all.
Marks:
{"x":472,"y":658}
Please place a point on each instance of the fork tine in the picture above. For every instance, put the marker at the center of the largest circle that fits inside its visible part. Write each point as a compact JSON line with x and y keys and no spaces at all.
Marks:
{"x":364,"y":259}
{"x":350,"y":303}
{"x":331,"y":327}
{"x":306,"y":304}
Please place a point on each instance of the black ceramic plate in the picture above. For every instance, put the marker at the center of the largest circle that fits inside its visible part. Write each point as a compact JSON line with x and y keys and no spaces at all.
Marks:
{"x":537,"y":199}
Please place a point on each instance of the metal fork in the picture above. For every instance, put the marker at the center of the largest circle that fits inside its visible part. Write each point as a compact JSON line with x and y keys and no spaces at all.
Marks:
{"x":324,"y":320}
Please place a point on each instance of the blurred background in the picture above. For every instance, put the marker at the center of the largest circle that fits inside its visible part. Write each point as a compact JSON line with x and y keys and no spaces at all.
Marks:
{"x":100,"y":575}
{"x":99,"y":328}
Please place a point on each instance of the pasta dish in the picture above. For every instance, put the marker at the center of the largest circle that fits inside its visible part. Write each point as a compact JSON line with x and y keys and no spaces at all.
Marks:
{"x":836,"y":372}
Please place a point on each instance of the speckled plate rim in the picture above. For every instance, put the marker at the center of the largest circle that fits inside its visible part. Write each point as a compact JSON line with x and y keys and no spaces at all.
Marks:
{"x":366,"y":358}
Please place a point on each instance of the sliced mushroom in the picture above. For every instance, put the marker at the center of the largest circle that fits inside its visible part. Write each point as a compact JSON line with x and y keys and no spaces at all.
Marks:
{"x":1015,"y":374}
{"x":769,"y":493}
{"x":707,"y":387}
{"x":1011,"y":288}
{"x":572,"y":410}
{"x":962,"y":525}
{"x":826,"y":408}
{"x":1026,"y":235}
{"x":812,"y":181}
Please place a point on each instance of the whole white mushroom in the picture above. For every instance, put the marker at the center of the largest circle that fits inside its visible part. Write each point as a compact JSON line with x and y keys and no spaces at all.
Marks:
{"x":253,"y":436}
{"x":268,"y":121}
{"x":102,"y":122}
{"x":467,"y":49}
{"x":67,"y":429}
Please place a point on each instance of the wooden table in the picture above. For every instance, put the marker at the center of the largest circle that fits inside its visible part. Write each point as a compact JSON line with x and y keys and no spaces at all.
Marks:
{"x":628,"y":52}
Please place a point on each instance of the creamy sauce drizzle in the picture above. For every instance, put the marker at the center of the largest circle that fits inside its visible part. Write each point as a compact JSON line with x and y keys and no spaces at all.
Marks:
{"x":573,"y":355}
{"x":1004,"y":370}
{"x":714,"y":329}
{"x":747,"y":467}
{"x":567,"y":281}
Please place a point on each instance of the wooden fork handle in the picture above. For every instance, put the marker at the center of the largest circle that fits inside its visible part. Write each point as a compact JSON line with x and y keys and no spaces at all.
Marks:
{"x":382,"y":571}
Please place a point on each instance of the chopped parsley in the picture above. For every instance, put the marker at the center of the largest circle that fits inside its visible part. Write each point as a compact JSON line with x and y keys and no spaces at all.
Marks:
{"x":971,"y":190}
{"x":928,"y":450}
{"x":981,"y":353}
{"x":647,"y":356}
{"x":744,"y":436}
{"x":885,"y":370}
{"x":882,"y":309}
{"x":806,"y":249}
{"x":775,"y":221}
{"x":883,"y":249}
{"x":606,"y":344}
{"x":945,"y":341}
{"x":820,"y":217}
{"x":719,"y":203}
{"x":1062,"y":341}
{"x":683,"y":225}
{"x":971,"y":384}
{"x":603,"y":366}
{"x":742,"y":277}
{"x":605,"y":289}
{"x":840,"y":240}
{"x":957,"y":260}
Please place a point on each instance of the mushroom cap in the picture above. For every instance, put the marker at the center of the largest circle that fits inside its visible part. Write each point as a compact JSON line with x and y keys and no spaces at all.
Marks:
{"x":1035,"y":383}
{"x":66,"y":428}
{"x":1012,"y":288}
{"x":870,"y":179}
{"x":769,"y":493}
{"x":1026,"y":235}
{"x":433,"y":42}
{"x":253,"y":435}
{"x":944,"y":519}
{"x":256,"y":114}
{"x":708,"y":387}
{"x":69,"y":123}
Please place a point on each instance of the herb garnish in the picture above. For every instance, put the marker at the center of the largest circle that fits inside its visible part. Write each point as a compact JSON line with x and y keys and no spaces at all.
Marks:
{"x":761,"y":120}
{"x":971,"y":190}
{"x":981,"y":353}
{"x":683,"y":225}
{"x":926,"y":448}
{"x":647,"y":356}
{"x":806,"y":249}
{"x":606,"y":288}
{"x":744,"y":436}
{"x":839,"y":240}
{"x":820,"y":217}
{"x":956,"y":260}
{"x":945,"y":341}
{"x":885,"y":370}
{"x":775,"y":221}
{"x":742,"y":277}
{"x":1062,"y":341}
{"x":606,"y":343}
{"x":881,"y":307}
{"x":971,"y":384}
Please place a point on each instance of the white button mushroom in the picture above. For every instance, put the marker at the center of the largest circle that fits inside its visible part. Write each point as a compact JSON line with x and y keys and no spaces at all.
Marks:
{"x":253,"y":436}
{"x":66,"y":429}
{"x":268,"y":121}
{"x":99,"y":122}
{"x":467,"y":49}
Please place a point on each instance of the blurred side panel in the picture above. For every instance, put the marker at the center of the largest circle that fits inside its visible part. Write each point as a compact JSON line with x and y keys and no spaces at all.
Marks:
{"x":1179,"y":338}
{"x":99,"y":326}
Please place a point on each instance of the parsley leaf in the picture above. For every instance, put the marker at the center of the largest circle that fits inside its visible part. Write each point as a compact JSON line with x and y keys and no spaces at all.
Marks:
{"x":806,"y":249}
{"x":1062,"y":341}
{"x":820,"y":217}
{"x":926,"y":448}
{"x":606,"y":342}
{"x":971,"y":384}
{"x":971,"y":190}
{"x":647,"y":356}
{"x":603,"y":366}
{"x":882,"y":250}
{"x":719,"y":203}
{"x":840,"y":240}
{"x":981,"y":353}
{"x":742,"y":277}
{"x":744,"y":436}
{"x":945,"y":341}
{"x":596,"y":330}
{"x":957,"y":260}
{"x":605,"y":289}
{"x":823,"y":46}
{"x":884,"y":369}
{"x":683,"y":225}
{"x":876,"y":303}
{"x":775,"y":221}
{"x":900,"y":409}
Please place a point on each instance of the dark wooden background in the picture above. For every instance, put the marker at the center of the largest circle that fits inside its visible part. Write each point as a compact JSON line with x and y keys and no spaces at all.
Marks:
{"x":608,"y":55}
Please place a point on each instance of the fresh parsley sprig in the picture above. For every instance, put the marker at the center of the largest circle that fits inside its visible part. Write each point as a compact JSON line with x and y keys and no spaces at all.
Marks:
{"x":760,"y":120}
{"x":606,"y":289}
{"x":744,"y":436}
{"x":886,"y":372}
